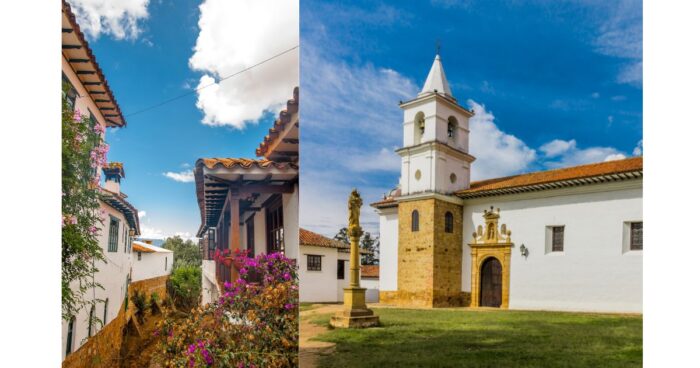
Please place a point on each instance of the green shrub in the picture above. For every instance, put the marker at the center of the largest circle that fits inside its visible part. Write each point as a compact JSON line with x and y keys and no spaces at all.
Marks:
{"x":185,"y":287}
{"x":155,"y":301}
{"x":139,"y":300}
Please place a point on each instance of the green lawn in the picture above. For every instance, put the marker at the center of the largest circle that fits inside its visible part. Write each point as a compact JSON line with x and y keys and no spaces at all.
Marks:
{"x":306,"y":306}
{"x":461,"y":338}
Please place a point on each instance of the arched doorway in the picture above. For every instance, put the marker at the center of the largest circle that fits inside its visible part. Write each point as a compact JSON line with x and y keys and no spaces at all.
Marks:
{"x":491,"y":283}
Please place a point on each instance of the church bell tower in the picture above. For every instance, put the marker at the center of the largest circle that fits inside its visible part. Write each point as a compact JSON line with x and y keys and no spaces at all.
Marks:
{"x":435,"y":154}
{"x":435,"y":162}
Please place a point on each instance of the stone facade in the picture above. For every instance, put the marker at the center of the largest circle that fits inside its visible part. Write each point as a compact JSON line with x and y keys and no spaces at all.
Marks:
{"x":430,"y":259}
{"x":103,"y":349}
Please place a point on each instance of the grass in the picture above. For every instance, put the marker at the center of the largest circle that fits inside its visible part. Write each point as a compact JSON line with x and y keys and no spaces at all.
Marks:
{"x":461,"y":338}
{"x":306,"y":306}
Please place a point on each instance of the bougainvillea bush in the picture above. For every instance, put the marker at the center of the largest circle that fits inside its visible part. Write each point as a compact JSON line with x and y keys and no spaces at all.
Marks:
{"x":83,"y":153}
{"x":253,"y":324}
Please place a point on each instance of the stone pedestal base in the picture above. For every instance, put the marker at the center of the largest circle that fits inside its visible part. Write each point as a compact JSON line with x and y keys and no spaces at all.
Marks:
{"x":355,"y":314}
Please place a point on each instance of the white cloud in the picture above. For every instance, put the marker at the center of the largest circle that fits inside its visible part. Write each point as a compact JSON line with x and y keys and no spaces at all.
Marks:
{"x":186,"y":176}
{"x":621,"y":36}
{"x":566,"y":153}
{"x":497,"y":153}
{"x":151,"y":233}
{"x":235,"y":35}
{"x":638,"y":149}
{"x":142,"y":214}
{"x":186,"y":235}
{"x":119,"y":18}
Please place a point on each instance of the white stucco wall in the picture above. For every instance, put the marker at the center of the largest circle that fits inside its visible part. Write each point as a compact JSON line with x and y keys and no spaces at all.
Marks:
{"x":290,"y":206}
{"x":388,"y":248}
{"x":372,"y":286}
{"x":593,"y":273}
{"x":322,"y":286}
{"x":111,"y":275}
{"x":151,"y":265}
{"x":210,"y":290}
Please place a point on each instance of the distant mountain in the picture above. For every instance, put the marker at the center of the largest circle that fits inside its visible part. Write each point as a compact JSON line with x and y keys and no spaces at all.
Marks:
{"x":156,"y":242}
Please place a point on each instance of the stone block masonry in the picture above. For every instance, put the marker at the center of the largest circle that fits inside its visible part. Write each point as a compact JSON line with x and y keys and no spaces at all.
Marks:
{"x":430,"y":259}
{"x":103,"y":349}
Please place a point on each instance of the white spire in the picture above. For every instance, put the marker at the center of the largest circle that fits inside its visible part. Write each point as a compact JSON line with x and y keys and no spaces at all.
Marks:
{"x":437,"y":81}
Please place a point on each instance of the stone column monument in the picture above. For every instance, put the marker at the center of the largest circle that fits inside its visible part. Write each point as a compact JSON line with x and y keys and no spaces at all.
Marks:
{"x":355,"y":313}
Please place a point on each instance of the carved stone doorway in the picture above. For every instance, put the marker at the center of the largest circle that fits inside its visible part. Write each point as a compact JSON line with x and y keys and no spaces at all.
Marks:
{"x":491,"y":283}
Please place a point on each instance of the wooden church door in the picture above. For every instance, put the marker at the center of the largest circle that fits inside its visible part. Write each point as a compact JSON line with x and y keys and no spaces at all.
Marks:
{"x":491,"y":283}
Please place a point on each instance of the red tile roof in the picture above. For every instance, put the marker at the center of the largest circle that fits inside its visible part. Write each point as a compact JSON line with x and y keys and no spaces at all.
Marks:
{"x":557,"y":178}
{"x":311,"y":238}
{"x":279,"y":125}
{"x":91,"y":66}
{"x":369,"y":271}
{"x":137,"y":247}
{"x":245,"y":163}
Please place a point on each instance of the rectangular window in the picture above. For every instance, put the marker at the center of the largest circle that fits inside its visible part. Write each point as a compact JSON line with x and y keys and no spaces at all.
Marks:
{"x":275,"y":224}
{"x":166,"y":263}
{"x":636,"y":237}
{"x":557,"y":238}
{"x":72,"y":93}
{"x":139,"y":255}
{"x":113,"y":234}
{"x":313,"y":262}
{"x":341,"y":269}
{"x":250,"y":236}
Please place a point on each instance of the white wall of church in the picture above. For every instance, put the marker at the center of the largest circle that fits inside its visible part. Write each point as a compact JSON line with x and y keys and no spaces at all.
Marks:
{"x":593,"y":273}
{"x":388,"y":249}
{"x":290,"y":207}
{"x":321,"y":286}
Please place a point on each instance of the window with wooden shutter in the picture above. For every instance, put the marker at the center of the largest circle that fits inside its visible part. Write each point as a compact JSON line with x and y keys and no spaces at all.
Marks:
{"x":313,"y":262}
{"x":70,"y":336}
{"x":557,"y":238}
{"x":113,"y":234}
{"x":636,"y":237}
{"x":414,"y":220}
{"x":274,"y":222}
{"x":341,"y":269}
{"x":449,"y":222}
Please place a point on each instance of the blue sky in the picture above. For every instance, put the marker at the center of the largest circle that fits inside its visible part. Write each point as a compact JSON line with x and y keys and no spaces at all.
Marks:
{"x":553,"y":83}
{"x":149,"y":53}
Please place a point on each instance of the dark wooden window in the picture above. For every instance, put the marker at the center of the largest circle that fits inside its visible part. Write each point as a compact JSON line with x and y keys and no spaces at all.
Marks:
{"x":104,"y":317}
{"x":90,"y":321}
{"x":113,"y":234}
{"x":139,"y":255}
{"x":414,"y":220}
{"x":69,"y":337}
{"x":166,"y":263}
{"x":274,"y":222}
{"x":313,"y":262}
{"x":341,"y":269}
{"x":126,"y":243}
{"x":72,"y":93}
{"x":250,"y":236}
{"x":449,"y":222}
{"x":636,"y":237}
{"x":211,"y":244}
{"x":557,"y":238}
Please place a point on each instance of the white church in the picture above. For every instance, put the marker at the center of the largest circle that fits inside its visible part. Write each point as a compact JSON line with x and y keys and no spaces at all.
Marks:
{"x":567,"y":239}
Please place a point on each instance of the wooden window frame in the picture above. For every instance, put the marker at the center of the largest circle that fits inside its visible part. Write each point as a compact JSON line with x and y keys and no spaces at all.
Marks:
{"x":632,"y":236}
{"x":313,"y":265}
{"x":250,"y":235}
{"x":449,"y":222}
{"x":70,"y":336}
{"x":557,"y":247}
{"x":415,"y":221}
{"x":90,"y":320}
{"x":274,"y":224}
{"x":113,"y":239}
{"x":104,"y":316}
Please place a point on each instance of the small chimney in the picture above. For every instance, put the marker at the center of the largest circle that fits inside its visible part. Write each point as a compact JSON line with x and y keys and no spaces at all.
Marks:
{"x":114,"y":172}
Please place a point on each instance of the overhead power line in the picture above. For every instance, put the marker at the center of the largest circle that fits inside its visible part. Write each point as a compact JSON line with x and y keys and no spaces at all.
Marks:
{"x":211,"y":84}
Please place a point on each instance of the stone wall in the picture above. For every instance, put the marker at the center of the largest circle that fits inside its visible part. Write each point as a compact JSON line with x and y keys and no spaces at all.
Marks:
{"x":429,"y":260}
{"x":102,"y":350}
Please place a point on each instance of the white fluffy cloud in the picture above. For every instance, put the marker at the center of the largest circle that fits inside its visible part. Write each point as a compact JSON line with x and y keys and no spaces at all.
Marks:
{"x":186,"y":176}
{"x":621,"y":36}
{"x":497,"y":153}
{"x":234,"y":35}
{"x":638,"y":149}
{"x":119,"y":18}
{"x":560,"y":153}
{"x":142,"y":214}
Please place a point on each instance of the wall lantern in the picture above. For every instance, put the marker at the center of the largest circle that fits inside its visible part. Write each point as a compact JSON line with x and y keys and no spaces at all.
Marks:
{"x":523,"y":250}
{"x":132,"y":232}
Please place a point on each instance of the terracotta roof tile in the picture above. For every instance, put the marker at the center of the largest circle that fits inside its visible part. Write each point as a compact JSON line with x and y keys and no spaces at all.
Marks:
{"x":369,"y":271}
{"x":245,"y":163}
{"x":311,"y":238}
{"x":120,"y":122}
{"x":279,"y":125}
{"x":139,"y":248}
{"x":557,"y":175}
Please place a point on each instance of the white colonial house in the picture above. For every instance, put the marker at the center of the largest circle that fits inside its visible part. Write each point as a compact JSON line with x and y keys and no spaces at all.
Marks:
{"x":565,"y":239}
{"x":250,"y":204}
{"x":369,"y":279}
{"x":150,"y":261}
{"x":324,"y":268}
